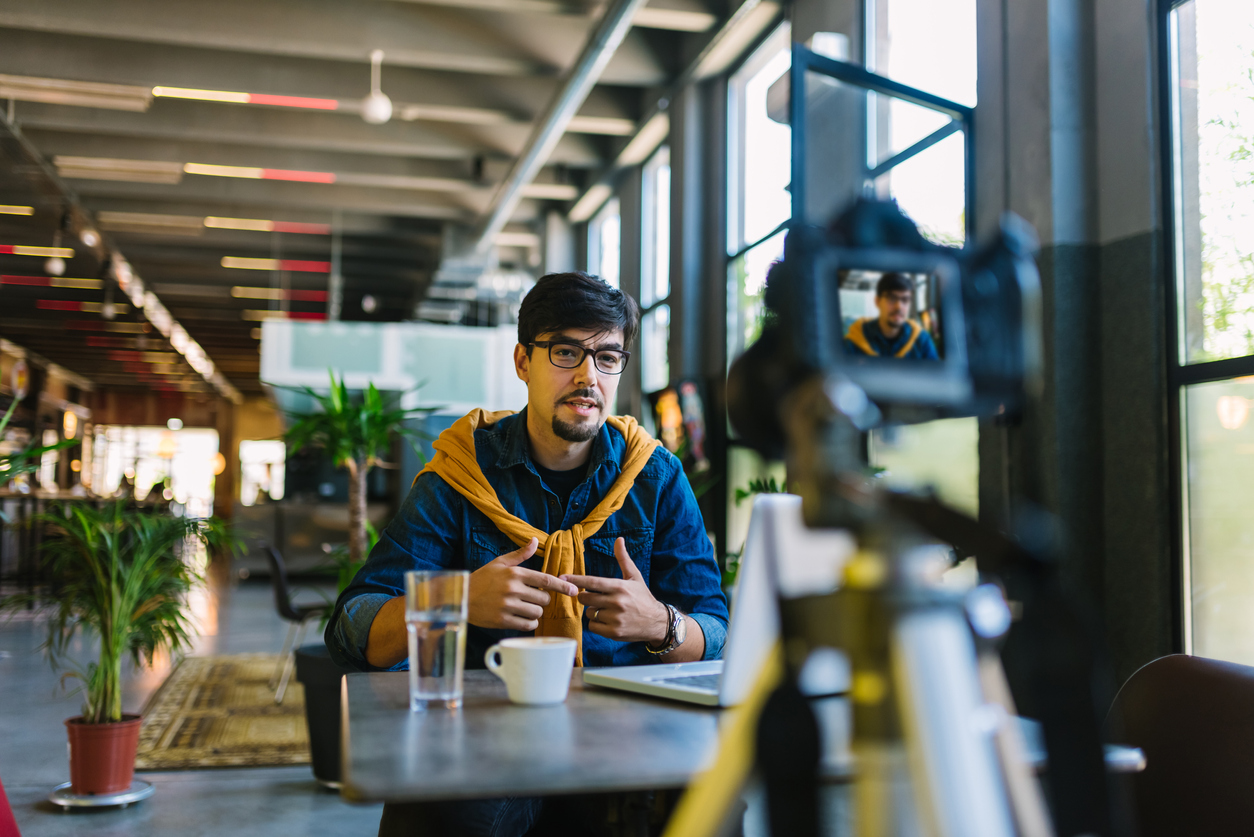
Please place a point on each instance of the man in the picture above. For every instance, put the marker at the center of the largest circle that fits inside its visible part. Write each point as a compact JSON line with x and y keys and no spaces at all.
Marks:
{"x":892,"y":334}
{"x":649,"y":590}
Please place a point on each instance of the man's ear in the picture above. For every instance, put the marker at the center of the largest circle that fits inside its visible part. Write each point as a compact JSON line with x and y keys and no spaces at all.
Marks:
{"x":522,"y":363}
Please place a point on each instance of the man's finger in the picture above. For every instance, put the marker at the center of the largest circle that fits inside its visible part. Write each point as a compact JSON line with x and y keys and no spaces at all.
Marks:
{"x":517,"y":623}
{"x":592,"y":583}
{"x":533,"y":595}
{"x":624,"y":561}
{"x":513,"y":559}
{"x":544,"y":581}
{"x":594,"y":600}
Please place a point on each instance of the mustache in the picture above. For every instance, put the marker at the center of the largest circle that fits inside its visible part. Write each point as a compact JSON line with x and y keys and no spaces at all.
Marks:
{"x":589,"y":394}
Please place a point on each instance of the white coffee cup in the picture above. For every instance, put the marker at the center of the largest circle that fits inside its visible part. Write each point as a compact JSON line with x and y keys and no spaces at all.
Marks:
{"x":536,"y":670}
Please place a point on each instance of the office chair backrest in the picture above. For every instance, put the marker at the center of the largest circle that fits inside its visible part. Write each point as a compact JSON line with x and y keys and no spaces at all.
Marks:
{"x":1194,"y":718}
{"x":282,"y":593}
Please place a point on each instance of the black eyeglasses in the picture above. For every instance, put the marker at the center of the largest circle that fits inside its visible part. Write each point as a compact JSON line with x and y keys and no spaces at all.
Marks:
{"x":571,"y":356}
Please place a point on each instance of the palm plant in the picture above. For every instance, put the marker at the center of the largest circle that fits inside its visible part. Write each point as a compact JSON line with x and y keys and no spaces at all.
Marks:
{"x":27,"y":459}
{"x":356,"y":431}
{"x":120,"y":576}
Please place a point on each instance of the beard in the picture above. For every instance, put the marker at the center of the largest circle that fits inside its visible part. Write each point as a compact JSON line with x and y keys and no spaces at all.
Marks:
{"x":582,"y":431}
{"x":571,"y":432}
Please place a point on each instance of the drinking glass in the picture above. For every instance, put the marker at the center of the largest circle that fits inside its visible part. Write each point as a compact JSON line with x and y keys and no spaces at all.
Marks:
{"x":435,"y":618}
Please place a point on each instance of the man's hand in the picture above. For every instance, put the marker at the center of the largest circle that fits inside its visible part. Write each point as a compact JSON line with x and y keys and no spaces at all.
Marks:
{"x":505,"y":595}
{"x":622,"y":609}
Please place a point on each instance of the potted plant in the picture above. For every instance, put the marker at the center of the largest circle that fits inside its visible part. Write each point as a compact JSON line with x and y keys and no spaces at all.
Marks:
{"x":357,"y":432}
{"x":118,"y":576}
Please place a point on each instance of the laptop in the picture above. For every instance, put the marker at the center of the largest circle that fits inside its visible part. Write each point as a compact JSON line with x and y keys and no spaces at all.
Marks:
{"x":779,"y":549}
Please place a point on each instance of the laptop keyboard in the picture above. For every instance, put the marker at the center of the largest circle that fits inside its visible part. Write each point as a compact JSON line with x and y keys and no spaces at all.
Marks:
{"x":696,"y":681}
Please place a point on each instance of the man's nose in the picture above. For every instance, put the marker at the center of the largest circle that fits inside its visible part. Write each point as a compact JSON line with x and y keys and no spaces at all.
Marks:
{"x":586,"y":372}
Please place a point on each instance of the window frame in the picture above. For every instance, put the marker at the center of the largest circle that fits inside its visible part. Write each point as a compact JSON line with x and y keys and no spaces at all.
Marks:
{"x":1180,"y":374}
{"x":649,"y":229}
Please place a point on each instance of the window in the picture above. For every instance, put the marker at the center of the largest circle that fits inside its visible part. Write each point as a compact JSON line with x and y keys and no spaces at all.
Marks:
{"x":1211,"y":199}
{"x":655,"y":272}
{"x":930,"y":46}
{"x":604,"y":242}
{"x":759,"y":170}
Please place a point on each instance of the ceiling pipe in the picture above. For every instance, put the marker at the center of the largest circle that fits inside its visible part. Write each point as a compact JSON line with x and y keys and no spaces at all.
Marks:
{"x":583,"y":74}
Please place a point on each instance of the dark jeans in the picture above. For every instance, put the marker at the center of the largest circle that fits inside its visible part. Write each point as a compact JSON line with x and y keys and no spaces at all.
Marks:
{"x":554,"y":816}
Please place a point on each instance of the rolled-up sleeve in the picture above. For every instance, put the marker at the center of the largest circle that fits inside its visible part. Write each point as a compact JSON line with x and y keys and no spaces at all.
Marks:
{"x":424,"y":535}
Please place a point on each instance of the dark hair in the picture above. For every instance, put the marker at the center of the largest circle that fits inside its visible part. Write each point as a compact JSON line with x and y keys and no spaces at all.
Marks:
{"x":576,"y":300}
{"x":893,"y":282}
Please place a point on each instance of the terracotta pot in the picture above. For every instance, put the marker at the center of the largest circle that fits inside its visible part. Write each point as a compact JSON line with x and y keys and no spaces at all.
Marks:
{"x":102,"y":756}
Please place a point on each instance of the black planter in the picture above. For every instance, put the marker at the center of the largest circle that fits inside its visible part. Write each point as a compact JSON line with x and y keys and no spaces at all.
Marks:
{"x":321,"y":678}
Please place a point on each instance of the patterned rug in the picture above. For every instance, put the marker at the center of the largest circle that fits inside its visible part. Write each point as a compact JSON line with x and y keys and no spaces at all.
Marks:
{"x":220,"y":712}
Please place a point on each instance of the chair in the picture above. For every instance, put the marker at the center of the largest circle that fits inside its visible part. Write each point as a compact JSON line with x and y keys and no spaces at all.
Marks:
{"x":1194,"y":719}
{"x":298,"y":618}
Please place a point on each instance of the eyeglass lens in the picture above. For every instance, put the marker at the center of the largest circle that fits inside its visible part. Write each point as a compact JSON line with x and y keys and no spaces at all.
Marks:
{"x":567,"y":356}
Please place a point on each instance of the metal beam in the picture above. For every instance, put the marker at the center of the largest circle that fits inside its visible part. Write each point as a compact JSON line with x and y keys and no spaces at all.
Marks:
{"x":581,"y":77}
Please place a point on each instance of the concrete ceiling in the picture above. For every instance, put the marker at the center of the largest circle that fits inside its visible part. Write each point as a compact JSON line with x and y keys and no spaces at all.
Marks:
{"x":467,"y":78}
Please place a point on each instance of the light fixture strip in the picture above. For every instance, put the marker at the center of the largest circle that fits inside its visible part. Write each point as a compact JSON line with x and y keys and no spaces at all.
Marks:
{"x":44,"y":252}
{"x":251,"y":173}
{"x":240,"y":98}
{"x":294,"y":265}
{"x":10,"y":209}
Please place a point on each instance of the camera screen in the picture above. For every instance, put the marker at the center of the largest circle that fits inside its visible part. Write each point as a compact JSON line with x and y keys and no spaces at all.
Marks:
{"x":891,"y":314}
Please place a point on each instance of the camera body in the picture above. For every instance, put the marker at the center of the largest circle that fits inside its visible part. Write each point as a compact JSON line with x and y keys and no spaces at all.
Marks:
{"x":979,"y":307}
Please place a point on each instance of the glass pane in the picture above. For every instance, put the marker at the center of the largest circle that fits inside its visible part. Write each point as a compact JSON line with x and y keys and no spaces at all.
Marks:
{"x":1219,"y":440}
{"x":747,"y":285}
{"x":655,"y":279}
{"x":767,"y":160}
{"x":604,"y":237}
{"x":931,"y":188}
{"x":898,"y":125}
{"x":655,"y":333}
{"x":941,"y":456}
{"x":925,"y":44}
{"x":1213,"y":116}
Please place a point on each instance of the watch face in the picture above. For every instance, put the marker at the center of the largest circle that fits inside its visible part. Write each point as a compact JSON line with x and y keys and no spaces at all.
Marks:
{"x":681,"y":630}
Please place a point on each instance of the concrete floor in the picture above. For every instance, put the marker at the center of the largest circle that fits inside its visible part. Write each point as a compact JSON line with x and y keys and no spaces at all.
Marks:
{"x":233,"y":618}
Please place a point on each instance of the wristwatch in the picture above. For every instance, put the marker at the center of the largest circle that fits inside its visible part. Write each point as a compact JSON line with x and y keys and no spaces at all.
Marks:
{"x":676,"y":633}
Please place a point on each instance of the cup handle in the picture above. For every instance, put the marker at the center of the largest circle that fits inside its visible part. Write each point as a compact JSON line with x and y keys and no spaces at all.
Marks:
{"x":492,"y":659}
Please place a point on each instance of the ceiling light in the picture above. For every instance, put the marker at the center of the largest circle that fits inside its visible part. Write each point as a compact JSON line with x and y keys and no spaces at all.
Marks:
{"x":103,"y":168}
{"x":369,"y":304}
{"x":296,"y":265}
{"x":264,"y":225}
{"x":590,"y":203}
{"x":23,"y":250}
{"x":246,"y":292}
{"x":56,"y":91}
{"x":550,"y":191}
{"x":52,"y":282}
{"x":257,"y":314}
{"x":151,"y":222}
{"x":232,"y":97}
{"x":377,"y":107}
{"x":9,"y":209}
{"x":55,"y":266}
{"x":89,"y":237}
{"x":517,"y":239}
{"x":251,"y":173}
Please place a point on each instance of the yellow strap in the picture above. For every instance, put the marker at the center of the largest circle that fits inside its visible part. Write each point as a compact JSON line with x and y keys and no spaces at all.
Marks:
{"x":914,"y":337}
{"x":856,"y":337}
{"x":703,"y":809}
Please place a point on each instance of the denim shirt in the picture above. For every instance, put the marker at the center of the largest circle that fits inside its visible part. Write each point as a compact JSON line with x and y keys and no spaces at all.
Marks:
{"x":438,"y":529}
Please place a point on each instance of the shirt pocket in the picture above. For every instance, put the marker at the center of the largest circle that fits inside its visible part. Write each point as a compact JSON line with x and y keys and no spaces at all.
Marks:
{"x":598,"y":552}
{"x":489,"y":543}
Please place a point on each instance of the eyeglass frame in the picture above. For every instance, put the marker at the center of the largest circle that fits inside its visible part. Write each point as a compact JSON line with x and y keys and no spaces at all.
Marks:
{"x":548,"y":345}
